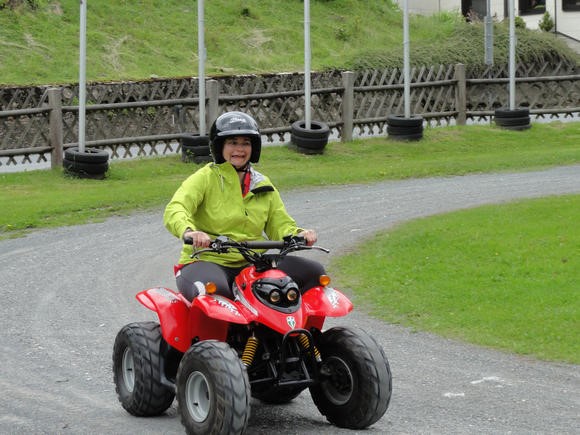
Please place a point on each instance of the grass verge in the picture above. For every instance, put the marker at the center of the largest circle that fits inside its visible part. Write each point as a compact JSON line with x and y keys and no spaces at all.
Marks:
{"x":500,"y":276}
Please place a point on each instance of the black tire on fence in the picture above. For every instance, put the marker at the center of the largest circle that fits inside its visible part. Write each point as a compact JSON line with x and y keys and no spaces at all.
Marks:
{"x":90,"y":163}
{"x":516,"y":119}
{"x":515,"y":113}
{"x":402,"y":128}
{"x":85,"y":170}
{"x":90,"y":155}
{"x":311,"y":140}
{"x":195,"y":148}
{"x":401,"y":121}
{"x":524,"y":120}
{"x":317,"y":130}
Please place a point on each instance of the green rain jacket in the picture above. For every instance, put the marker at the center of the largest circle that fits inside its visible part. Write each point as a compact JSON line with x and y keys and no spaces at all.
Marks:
{"x":210,"y":200}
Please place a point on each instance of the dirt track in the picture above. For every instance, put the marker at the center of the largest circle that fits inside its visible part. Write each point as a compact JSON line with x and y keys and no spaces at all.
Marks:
{"x":66,"y":293}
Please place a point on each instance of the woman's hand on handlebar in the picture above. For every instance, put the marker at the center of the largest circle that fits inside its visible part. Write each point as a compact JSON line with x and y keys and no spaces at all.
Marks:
{"x":310,"y":236}
{"x":198,"y":239}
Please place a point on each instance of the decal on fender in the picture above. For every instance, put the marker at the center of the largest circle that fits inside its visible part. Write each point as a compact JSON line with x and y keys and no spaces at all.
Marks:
{"x":332,"y":297}
{"x":227,"y":305}
{"x":165,"y":294}
{"x":291,"y":321}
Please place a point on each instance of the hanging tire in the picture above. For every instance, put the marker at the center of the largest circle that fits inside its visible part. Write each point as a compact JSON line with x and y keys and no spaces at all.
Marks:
{"x":311,"y":140}
{"x":355,"y":379}
{"x":89,"y":155}
{"x":213,"y":390}
{"x":137,"y":370}
{"x":402,"y":128}
{"x":195,"y":148}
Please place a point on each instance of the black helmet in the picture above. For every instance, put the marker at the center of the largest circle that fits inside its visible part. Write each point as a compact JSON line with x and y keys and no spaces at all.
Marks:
{"x":234,"y":124}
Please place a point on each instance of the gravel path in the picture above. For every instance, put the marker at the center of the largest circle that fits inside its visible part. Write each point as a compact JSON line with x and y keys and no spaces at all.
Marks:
{"x":67,"y":291}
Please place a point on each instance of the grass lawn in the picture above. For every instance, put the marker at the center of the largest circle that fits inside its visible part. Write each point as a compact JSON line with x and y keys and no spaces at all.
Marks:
{"x":504,"y":276}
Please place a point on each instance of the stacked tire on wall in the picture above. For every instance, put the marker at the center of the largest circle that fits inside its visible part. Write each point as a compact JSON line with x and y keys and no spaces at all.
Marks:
{"x":195,"y":148}
{"x":311,"y":140}
{"x":90,"y":163}
{"x":402,"y":128}
{"x":516,"y":119}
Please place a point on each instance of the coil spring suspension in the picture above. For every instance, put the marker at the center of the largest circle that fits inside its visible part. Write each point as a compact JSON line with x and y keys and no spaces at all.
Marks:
{"x":305,"y":344}
{"x":250,"y":351}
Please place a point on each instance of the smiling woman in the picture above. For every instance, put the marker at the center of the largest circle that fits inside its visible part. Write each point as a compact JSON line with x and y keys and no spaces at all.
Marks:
{"x":231,"y":198}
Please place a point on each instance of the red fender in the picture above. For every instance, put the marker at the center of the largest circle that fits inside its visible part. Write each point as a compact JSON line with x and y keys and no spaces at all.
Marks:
{"x":173,"y":312}
{"x":211,"y":316}
{"x":325,"y":302}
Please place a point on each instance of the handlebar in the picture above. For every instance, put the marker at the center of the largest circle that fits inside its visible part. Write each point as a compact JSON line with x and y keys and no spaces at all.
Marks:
{"x":222,"y":244}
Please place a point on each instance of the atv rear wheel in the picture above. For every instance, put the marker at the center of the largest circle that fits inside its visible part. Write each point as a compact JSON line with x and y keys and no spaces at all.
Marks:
{"x":137,"y":370}
{"x":213,"y":390}
{"x":355,"y":379}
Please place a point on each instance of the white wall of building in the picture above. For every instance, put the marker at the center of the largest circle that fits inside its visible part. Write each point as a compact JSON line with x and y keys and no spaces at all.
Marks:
{"x":567,"y":23}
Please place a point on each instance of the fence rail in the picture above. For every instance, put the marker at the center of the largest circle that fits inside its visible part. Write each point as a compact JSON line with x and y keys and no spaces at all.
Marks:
{"x":147,"y":118}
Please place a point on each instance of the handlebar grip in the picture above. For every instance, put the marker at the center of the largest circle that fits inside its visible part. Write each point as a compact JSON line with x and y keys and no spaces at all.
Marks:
{"x":188,"y":240}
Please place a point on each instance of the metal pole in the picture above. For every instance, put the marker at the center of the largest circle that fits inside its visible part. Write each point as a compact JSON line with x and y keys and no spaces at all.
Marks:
{"x":488,"y":35}
{"x":201,"y":65}
{"x":307,"y":92}
{"x":406,"y":66}
{"x":82,"y":75}
{"x":512,"y":60}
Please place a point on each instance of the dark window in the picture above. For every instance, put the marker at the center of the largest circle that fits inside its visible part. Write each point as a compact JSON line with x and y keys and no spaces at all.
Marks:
{"x":528,"y":7}
{"x":571,"y":5}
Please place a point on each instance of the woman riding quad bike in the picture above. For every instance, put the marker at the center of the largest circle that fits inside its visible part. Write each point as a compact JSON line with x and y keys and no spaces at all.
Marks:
{"x":245,"y":322}
{"x":267,"y":342}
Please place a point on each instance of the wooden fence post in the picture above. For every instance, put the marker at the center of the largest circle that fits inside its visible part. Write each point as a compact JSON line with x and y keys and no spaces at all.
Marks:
{"x":461,"y":94}
{"x":213,"y":92}
{"x":347,"y":106}
{"x":55,"y":126}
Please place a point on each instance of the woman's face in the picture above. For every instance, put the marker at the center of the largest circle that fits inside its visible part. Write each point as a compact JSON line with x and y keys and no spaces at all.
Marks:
{"x":237,"y":150}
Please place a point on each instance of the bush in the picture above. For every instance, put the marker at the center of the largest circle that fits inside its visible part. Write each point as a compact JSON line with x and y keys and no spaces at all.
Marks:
{"x":546,"y":23}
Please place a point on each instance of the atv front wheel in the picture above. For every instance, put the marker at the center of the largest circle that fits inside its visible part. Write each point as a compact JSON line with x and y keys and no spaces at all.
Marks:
{"x":213,"y":390}
{"x":355,"y":379}
{"x":137,"y":370}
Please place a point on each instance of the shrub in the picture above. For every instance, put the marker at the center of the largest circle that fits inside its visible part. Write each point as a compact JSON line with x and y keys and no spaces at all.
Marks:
{"x":546,"y":23}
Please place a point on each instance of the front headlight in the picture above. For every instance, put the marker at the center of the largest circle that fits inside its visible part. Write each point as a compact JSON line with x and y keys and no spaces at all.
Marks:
{"x":281,"y":294}
{"x":275,"y":296}
{"x":292,"y":295}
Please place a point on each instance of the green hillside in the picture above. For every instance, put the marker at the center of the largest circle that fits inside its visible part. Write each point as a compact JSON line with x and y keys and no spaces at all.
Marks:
{"x":136,"y":39}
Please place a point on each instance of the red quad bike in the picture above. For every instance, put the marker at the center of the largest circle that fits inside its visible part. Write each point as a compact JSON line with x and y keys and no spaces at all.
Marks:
{"x":216,"y":353}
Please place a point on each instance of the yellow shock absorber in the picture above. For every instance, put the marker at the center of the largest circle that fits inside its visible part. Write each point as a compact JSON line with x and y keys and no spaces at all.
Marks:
{"x":250,"y":351}
{"x":305,"y":344}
